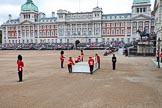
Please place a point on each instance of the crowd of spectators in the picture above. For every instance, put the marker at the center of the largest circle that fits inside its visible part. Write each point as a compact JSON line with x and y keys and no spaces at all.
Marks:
{"x":39,"y":46}
{"x":62,"y":46}
{"x":101,"y":45}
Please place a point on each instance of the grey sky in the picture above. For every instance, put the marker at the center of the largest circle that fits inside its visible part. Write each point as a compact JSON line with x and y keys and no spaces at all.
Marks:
{"x":13,"y":7}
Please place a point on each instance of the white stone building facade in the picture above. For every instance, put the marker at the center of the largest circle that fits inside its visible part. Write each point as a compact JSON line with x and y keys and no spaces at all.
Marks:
{"x":33,"y":26}
{"x":158,"y":19}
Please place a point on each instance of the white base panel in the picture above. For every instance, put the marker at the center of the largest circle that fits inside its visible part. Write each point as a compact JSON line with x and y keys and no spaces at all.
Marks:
{"x":83,"y":67}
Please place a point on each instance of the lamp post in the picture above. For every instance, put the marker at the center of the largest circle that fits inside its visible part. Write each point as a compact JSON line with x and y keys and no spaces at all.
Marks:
{"x":159,"y":52}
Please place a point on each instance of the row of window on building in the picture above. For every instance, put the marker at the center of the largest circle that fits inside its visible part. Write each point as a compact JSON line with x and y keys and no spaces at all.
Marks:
{"x":141,"y":10}
{"x":76,"y":33}
{"x":13,"y":28}
{"x":27,"y":34}
{"x":73,"y":16}
{"x":47,"y":20}
{"x":117,"y":17}
{"x":87,"y":25}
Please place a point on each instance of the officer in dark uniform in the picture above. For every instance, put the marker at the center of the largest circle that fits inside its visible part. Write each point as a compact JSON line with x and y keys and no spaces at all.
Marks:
{"x":161,"y":55}
{"x":126,"y":52}
{"x":114,"y":61}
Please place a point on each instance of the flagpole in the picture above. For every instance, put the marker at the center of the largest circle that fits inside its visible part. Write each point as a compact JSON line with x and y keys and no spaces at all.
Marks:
{"x":79,"y":5}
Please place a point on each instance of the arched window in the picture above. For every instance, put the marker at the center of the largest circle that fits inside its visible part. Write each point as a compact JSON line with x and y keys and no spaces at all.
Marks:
{"x":103,"y":31}
{"x":89,"y":40}
{"x":48,"y":33}
{"x":52,"y":33}
{"x":60,"y":40}
{"x":112,"y":31}
{"x":67,"y":40}
{"x":96,"y":40}
{"x":44,"y":33}
{"x":117,"y":31}
{"x":103,"y":39}
{"x":108,"y":31}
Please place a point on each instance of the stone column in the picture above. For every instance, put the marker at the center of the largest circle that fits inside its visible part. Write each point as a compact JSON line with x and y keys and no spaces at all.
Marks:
{"x":3,"y":40}
{"x":131,"y":29}
{"x":137,"y":25}
{"x":71,"y":30}
{"x":76,"y":29}
{"x":38,"y":40}
{"x":100,"y":30}
{"x":33,"y":34}
{"x":25,"y":40}
{"x":7,"y":41}
{"x":81,"y":30}
{"x":6,"y":35}
{"x":64,"y":28}
{"x":21,"y":38}
{"x":125,"y":29}
{"x":93,"y":26}
{"x":29,"y":33}
{"x":87,"y":30}
{"x":143,"y":25}
{"x":17,"y":33}
{"x":149,"y":26}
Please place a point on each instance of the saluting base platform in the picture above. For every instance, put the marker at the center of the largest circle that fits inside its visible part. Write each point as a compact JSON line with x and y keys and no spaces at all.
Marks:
{"x":83,"y":67}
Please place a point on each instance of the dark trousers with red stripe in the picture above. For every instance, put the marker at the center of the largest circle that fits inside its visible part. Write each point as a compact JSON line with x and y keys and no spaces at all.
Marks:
{"x":82,"y":59}
{"x":20,"y":75}
{"x":91,"y":69}
{"x":62,"y":64}
{"x":98,"y":64}
{"x":157,"y":59}
{"x":70,"y":68}
{"x":114,"y":65}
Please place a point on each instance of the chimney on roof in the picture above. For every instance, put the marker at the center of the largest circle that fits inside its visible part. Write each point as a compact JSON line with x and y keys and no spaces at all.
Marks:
{"x":44,"y":15}
{"x":53,"y":14}
{"x":9,"y":17}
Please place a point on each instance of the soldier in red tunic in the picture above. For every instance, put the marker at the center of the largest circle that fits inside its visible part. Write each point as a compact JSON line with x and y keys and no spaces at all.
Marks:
{"x":157,"y":55}
{"x":77,"y":59}
{"x":98,"y":60}
{"x":70,"y":63}
{"x":82,"y":55}
{"x":161,"y":55}
{"x":91,"y":64}
{"x":62,"y":60}
{"x":20,"y":66}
